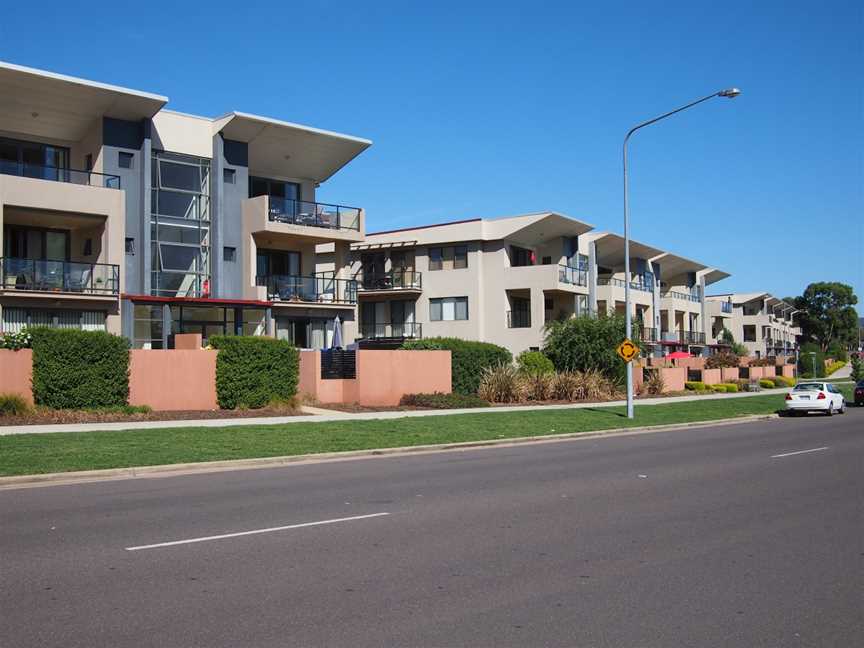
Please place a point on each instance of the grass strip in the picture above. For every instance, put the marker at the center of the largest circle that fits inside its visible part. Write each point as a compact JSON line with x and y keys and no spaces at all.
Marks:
{"x":69,"y":451}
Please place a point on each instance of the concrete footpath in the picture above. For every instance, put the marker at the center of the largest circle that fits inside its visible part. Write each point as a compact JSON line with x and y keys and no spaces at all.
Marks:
{"x":320,"y":415}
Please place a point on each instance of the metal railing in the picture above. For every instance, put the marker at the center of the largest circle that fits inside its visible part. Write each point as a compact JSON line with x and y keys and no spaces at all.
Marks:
{"x":574,"y":276}
{"x":393,"y":280}
{"x":389,"y":330}
{"x":648,"y":334}
{"x":59,"y":276}
{"x":683,"y":337}
{"x":673,"y":294}
{"x":620,"y":283}
{"x":59,"y":174}
{"x":322,"y":288}
{"x":518,"y":319}
{"x":312,"y":214}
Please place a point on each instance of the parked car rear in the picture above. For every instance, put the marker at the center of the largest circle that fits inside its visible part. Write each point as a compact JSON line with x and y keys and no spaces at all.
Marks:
{"x":859,"y":393}
{"x":816,"y":397}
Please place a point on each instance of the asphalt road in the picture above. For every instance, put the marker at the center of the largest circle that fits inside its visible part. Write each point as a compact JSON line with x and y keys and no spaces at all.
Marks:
{"x":697,"y":538}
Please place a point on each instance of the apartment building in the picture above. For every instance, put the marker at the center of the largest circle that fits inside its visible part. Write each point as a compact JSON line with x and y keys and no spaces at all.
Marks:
{"x":502,"y":280}
{"x":763,"y":323}
{"x":119,"y":214}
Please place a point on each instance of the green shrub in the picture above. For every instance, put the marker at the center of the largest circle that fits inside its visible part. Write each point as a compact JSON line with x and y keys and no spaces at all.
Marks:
{"x":440,"y":400}
{"x":782,"y":381}
{"x":695,"y":385}
{"x":75,"y":369}
{"x":806,"y":361}
{"x":731,"y":388}
{"x":719,"y":387}
{"x":13,"y":405}
{"x":534,"y":362}
{"x":587,"y":343}
{"x":468,"y":359}
{"x":857,"y":369}
{"x":254,"y":371}
{"x":838,"y":352}
{"x":766,"y":383}
{"x":721,"y":360}
{"x":503,"y":384}
{"x":739,"y":349}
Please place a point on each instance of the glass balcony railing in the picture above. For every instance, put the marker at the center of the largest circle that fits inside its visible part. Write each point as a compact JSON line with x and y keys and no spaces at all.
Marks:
{"x":312,"y":214}
{"x":725,"y":307}
{"x":58,"y":174}
{"x":59,"y":276}
{"x":574,"y":276}
{"x":620,"y":283}
{"x":672,"y":294}
{"x":393,"y":280}
{"x":322,"y":288}
{"x":391,"y":330}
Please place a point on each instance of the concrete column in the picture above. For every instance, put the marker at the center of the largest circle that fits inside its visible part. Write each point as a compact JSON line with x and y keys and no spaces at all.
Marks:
{"x":538,"y":311}
{"x":166,"y":324}
{"x":144,"y":239}
{"x":217,"y":210}
{"x":269,"y":324}
{"x":592,"y":278}
{"x":703,"y":309}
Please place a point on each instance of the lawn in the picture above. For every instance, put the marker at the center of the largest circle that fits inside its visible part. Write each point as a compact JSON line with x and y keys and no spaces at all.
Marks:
{"x":60,"y":452}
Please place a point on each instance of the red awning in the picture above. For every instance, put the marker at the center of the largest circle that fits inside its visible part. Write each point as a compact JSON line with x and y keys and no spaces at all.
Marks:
{"x":678,"y":354}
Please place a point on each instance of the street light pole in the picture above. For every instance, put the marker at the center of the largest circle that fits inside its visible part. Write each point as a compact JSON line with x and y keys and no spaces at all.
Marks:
{"x":729,"y":93}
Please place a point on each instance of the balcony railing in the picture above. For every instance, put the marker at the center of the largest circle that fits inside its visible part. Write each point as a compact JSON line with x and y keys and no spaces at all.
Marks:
{"x":684,"y":337}
{"x":673,"y":294}
{"x":321,"y":288}
{"x":393,"y":280}
{"x":574,"y":276}
{"x":389,"y":331}
{"x":312,"y":214}
{"x":725,"y":307}
{"x":648,"y":334}
{"x":59,"y":276}
{"x":518,"y":319}
{"x":620,"y":283}
{"x":58,"y":174}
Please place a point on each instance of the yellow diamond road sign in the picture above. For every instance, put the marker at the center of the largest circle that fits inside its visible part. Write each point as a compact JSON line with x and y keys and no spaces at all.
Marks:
{"x":627,"y":350}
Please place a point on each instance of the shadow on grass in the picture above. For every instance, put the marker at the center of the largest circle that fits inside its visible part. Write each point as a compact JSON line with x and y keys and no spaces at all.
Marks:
{"x":605,"y":410}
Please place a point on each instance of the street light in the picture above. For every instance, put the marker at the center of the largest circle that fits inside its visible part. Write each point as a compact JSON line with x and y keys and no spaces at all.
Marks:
{"x":729,"y":93}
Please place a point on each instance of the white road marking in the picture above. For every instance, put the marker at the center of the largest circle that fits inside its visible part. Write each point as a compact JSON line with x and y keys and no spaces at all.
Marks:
{"x":255,"y":532}
{"x":789,"y":454}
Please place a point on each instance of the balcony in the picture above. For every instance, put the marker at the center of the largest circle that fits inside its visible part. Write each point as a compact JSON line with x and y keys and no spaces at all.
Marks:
{"x":573,"y":276}
{"x":518,"y":319}
{"x":391,"y":331}
{"x":312,"y":214}
{"x":672,"y":294}
{"x":684,"y":337}
{"x":57,"y":174}
{"x":60,"y":277}
{"x":620,"y":283}
{"x":726,"y":307}
{"x":321,"y":288}
{"x":397,"y":280}
{"x":648,"y":334}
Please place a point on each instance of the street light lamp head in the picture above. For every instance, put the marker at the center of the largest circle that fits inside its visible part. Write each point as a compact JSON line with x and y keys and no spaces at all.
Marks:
{"x":731,"y":93}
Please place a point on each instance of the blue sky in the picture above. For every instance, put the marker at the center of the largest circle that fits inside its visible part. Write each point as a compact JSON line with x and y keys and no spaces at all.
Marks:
{"x":497,"y":108}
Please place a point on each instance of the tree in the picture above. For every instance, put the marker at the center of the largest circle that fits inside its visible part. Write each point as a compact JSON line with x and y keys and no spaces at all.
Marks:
{"x":857,"y":369}
{"x":583,"y":343}
{"x":827,"y":314}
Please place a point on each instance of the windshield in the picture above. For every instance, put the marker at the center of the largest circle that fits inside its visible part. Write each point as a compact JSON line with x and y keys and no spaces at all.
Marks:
{"x":808,"y":387}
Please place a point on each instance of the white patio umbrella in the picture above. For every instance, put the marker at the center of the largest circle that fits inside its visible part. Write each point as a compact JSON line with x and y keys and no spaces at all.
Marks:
{"x":337,"y":334}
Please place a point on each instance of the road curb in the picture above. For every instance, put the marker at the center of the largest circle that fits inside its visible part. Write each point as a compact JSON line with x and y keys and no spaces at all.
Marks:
{"x":174,"y":470}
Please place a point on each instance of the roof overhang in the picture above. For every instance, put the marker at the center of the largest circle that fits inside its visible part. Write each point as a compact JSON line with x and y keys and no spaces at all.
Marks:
{"x":533,"y":229}
{"x":713,"y":275}
{"x":672,"y":265}
{"x":610,"y":250}
{"x":283,"y":149}
{"x":58,"y":107}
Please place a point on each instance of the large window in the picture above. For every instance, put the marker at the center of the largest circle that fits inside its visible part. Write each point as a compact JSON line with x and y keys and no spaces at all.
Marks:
{"x":448,"y":309}
{"x":274,"y":188}
{"x":17,"y":319}
{"x":180,"y":225}
{"x":460,"y":256}
{"x":32,"y":159}
{"x":436,"y":258}
{"x":521,"y":256}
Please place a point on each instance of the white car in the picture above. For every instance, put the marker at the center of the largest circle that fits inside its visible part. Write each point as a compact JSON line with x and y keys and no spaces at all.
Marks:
{"x":809,"y":396}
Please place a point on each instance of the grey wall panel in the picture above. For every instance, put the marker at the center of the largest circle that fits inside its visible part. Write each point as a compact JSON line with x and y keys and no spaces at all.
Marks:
{"x":230,"y":214}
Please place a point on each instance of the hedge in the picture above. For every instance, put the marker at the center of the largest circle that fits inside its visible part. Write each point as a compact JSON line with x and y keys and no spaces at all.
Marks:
{"x":695,"y":385}
{"x":533,"y":363}
{"x":585,"y":343}
{"x":766,"y":383}
{"x":468,"y":359}
{"x":75,"y":369}
{"x":254,"y":371}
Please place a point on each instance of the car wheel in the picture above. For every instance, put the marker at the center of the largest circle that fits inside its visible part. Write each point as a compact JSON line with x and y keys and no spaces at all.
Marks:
{"x":843,"y":406}
{"x":830,"y":411}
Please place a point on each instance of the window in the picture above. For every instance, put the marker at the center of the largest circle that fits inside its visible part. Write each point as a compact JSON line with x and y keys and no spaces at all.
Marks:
{"x":521,"y":256}
{"x":124,"y":160}
{"x":130,"y":246}
{"x":88,"y":162}
{"x":548,"y":303}
{"x":448,"y":309}
{"x":460,"y":256}
{"x":547,"y":260}
{"x":229,"y":254}
{"x":88,"y":247}
{"x":229,"y":176}
{"x":436,"y":258}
